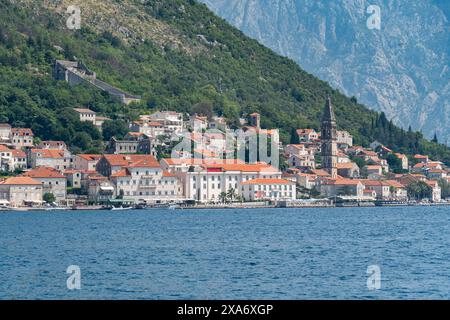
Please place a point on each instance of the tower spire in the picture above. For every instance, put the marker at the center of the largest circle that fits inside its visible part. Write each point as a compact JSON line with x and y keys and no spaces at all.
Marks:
{"x":328,"y":114}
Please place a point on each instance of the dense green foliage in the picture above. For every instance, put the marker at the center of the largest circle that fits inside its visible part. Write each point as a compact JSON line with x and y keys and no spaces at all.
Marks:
{"x":233,"y":74}
{"x":49,"y":197}
{"x":445,"y":188}
{"x":419,"y":190}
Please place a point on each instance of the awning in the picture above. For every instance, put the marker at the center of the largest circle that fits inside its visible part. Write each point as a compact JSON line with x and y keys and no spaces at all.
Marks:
{"x":107,"y":188}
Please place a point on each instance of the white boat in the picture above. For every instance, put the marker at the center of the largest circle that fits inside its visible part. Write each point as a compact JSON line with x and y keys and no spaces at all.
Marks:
{"x":121,"y":208}
{"x":55,"y":208}
{"x":174,"y":207}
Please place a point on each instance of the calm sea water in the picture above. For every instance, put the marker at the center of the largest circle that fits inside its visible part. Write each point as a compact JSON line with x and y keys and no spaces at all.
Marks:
{"x":227,"y":254}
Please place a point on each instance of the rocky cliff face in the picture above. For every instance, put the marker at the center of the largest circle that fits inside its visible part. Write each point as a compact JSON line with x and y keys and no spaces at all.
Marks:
{"x":401,"y":69}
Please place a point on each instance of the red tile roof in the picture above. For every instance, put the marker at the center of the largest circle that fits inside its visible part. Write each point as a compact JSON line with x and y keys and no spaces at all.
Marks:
{"x":17,"y":153}
{"x":4,"y":148}
{"x":90,"y":157}
{"x":83,"y":110}
{"x":21,"y":132}
{"x":395,"y":184}
{"x":49,"y":153}
{"x":374,"y":183}
{"x":341,"y":181}
{"x":21,"y":181}
{"x":43,"y":172}
{"x":131,"y":160}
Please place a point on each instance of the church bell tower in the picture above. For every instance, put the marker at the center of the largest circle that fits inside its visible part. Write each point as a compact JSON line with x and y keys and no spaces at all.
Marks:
{"x":329,"y":140}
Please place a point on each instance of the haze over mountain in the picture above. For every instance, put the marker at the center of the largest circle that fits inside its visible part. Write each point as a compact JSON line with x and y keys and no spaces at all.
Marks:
{"x":401,"y":69}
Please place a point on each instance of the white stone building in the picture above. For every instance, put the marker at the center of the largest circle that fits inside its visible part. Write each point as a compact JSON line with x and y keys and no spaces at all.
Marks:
{"x":52,"y":180}
{"x":20,"y":191}
{"x":53,"y":158}
{"x":146,"y":182}
{"x":268,"y":189}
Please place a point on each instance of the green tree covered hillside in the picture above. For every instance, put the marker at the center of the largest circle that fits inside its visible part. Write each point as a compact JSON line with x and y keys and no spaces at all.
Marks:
{"x":175,"y":54}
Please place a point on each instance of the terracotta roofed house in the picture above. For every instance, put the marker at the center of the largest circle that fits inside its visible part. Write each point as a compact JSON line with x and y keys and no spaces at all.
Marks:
{"x":111,"y":163}
{"x":52,"y":180}
{"x":22,"y":137}
{"x":20,"y":191}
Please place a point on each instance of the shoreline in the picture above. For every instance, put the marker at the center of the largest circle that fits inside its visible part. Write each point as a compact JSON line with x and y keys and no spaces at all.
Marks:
{"x":229,"y":207}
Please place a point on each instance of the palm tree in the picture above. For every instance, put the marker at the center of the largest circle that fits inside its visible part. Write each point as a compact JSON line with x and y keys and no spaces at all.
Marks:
{"x":231,"y":194}
{"x":223,"y":197}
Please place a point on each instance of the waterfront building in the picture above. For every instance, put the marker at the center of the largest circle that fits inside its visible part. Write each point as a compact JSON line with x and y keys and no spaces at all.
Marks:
{"x":206,"y":182}
{"x":398,"y":190}
{"x":268,"y":189}
{"x":101,"y":190}
{"x":436,"y":191}
{"x":52,"y":180}
{"x":382,"y":188}
{"x":341,"y":187}
{"x":21,"y":191}
{"x":146,"y":182}
{"x":329,"y":140}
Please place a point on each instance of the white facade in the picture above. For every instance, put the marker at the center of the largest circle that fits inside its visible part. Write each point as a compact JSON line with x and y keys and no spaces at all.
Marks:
{"x":207,"y":183}
{"x":147,"y":184}
{"x":268,"y":189}
{"x":5,"y":132}
{"x":56,"y":159}
{"x":86,"y":115}
{"x":22,"y":138}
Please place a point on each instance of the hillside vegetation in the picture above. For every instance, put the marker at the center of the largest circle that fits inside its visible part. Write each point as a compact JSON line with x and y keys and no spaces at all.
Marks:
{"x":175,"y":54}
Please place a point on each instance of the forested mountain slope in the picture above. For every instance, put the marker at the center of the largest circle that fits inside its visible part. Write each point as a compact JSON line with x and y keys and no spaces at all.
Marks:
{"x":175,"y":54}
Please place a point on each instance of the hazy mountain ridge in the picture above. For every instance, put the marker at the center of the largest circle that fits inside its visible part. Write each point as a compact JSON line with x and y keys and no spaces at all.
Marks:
{"x":401,"y":69}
